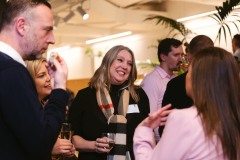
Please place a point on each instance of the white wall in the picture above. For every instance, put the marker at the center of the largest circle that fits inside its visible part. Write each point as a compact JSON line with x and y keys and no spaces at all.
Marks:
{"x":79,"y":64}
{"x":83,"y":66}
{"x":142,"y":45}
{"x":208,"y":26}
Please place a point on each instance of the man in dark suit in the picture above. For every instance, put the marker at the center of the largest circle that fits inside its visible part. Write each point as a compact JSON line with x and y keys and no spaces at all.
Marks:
{"x":175,"y":93}
{"x":28,"y":131}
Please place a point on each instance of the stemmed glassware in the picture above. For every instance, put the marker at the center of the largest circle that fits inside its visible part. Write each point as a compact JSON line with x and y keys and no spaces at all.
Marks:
{"x":110,"y":140}
{"x":66,"y":132}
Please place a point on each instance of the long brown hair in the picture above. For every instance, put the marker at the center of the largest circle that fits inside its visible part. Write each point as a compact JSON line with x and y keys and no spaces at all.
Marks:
{"x":216,"y":94}
{"x":102,"y":77}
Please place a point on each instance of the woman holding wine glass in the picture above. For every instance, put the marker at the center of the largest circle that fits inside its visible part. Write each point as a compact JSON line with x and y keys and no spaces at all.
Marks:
{"x":38,"y":71}
{"x":111,"y":104}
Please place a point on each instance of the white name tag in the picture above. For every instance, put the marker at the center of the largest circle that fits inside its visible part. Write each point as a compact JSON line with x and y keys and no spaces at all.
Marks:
{"x":133,"y":108}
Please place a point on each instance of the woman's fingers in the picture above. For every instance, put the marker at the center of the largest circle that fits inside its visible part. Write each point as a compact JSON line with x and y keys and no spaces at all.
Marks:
{"x":167,"y":107}
{"x":157,"y":118}
{"x":101,"y":145}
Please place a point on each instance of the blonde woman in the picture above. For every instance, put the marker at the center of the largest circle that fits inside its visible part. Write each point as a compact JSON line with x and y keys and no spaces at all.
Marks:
{"x":37,"y":69}
{"x":111,"y":103}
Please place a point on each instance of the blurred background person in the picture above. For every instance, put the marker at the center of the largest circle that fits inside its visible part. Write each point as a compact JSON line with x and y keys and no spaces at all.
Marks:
{"x":210,"y":128}
{"x":39,"y":72}
{"x":111,"y":103}
{"x":175,"y":93}
{"x":170,"y":53}
{"x":236,"y":46}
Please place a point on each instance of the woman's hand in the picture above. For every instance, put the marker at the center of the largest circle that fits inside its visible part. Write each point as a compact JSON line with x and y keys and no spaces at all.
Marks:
{"x":63,"y":147}
{"x":101,"y":145}
{"x":157,"y":118}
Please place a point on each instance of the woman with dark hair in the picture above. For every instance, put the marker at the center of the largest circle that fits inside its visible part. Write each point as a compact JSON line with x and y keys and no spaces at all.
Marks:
{"x":111,"y":103}
{"x":210,"y":129}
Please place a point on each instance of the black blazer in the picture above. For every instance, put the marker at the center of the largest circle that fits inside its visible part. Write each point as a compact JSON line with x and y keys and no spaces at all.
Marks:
{"x":176,"y":95}
{"x":27,"y":130}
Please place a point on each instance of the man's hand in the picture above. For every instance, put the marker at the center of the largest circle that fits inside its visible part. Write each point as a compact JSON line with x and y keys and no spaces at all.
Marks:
{"x":58,"y":72}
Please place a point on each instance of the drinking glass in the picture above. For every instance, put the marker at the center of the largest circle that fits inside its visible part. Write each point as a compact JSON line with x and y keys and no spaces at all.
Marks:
{"x":185,"y":63}
{"x":110,"y":140}
{"x":66,"y":132}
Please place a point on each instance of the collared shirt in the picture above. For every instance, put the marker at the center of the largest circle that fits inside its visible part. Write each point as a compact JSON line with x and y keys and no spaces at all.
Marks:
{"x":8,"y":50}
{"x":154,"y":84}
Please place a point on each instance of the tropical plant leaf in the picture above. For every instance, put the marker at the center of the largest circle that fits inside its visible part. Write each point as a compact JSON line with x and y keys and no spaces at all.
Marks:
{"x":226,"y":8}
{"x":235,"y":25}
{"x":171,"y":24}
{"x":219,"y":35}
{"x":216,"y":17}
{"x":229,"y":31}
{"x":224,"y":32}
{"x":225,"y":11}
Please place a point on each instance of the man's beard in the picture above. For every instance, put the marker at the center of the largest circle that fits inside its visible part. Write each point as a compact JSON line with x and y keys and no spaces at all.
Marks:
{"x":33,"y":56}
{"x":177,"y":68}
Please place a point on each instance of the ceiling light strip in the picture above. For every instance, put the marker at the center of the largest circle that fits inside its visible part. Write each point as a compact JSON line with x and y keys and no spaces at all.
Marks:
{"x":108,"y":37}
{"x":200,"y":15}
{"x":196,"y":16}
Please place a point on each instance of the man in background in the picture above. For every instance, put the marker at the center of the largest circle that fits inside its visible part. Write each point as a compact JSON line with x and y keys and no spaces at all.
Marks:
{"x":175,"y":93}
{"x":236,"y":47}
{"x":170,"y":53}
{"x":27,"y":130}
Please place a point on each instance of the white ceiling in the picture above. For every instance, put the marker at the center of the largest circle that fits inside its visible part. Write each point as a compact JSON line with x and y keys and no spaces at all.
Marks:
{"x":115,"y":16}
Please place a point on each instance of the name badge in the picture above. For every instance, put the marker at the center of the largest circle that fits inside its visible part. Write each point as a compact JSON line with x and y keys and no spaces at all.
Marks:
{"x":133,"y":108}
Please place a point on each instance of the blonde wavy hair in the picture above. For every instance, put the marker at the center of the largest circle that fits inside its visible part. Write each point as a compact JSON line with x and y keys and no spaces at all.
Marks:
{"x":33,"y":66}
{"x":102,"y":77}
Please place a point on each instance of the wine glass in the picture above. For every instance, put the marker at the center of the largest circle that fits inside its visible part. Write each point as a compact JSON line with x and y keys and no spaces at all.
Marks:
{"x":66,"y":132}
{"x":110,"y":140}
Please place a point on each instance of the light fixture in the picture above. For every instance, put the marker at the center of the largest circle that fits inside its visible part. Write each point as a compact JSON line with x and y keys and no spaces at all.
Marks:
{"x":84,"y":14}
{"x":108,"y":37}
{"x":68,"y":16}
{"x":196,"y":16}
{"x":200,"y":15}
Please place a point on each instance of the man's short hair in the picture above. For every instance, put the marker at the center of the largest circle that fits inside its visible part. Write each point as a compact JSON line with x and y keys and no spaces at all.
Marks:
{"x":165,"y":46}
{"x":10,"y":9}
{"x":199,"y":42}
{"x":236,"y":39}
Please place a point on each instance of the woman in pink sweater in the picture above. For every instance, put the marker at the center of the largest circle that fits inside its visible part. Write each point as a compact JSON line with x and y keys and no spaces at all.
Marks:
{"x":209,"y":130}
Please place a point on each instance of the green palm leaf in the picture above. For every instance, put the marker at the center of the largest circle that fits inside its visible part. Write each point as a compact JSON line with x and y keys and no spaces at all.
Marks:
{"x":171,"y":24}
{"x":224,"y":12}
{"x":226,"y":8}
{"x":236,"y":25}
